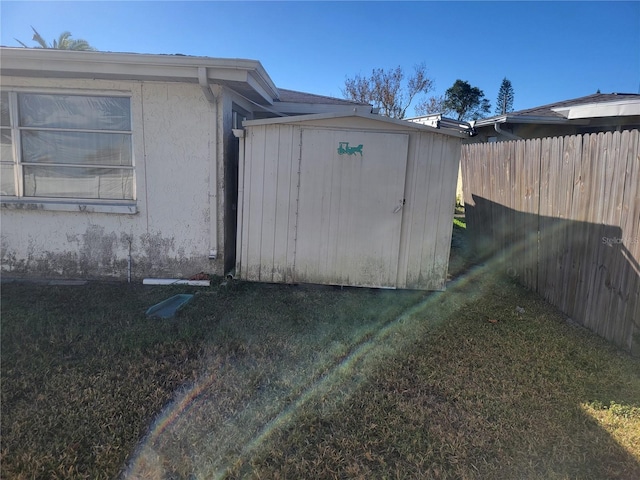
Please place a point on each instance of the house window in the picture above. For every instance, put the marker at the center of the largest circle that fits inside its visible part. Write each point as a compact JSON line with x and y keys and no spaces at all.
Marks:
{"x":7,"y":161}
{"x":66,"y":146}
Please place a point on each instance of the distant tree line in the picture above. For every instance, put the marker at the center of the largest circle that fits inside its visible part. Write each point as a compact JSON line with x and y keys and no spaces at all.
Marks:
{"x":388,"y":91}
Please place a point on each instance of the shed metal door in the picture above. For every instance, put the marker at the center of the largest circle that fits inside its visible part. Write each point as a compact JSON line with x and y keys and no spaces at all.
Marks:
{"x":349,"y":211}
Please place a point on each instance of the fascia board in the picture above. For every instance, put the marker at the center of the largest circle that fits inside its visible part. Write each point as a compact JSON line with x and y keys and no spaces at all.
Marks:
{"x":55,"y":56}
{"x":90,"y":69}
{"x":620,"y":108}
{"x":262,"y":77}
{"x":127,"y":66}
{"x":258,"y":85}
{"x":223,"y":74}
{"x":490,"y":121}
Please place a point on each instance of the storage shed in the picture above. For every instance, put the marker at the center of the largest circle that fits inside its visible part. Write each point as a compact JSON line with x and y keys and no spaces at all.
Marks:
{"x":346,"y":199}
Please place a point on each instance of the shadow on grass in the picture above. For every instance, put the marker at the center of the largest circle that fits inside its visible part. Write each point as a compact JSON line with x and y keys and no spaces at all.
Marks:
{"x":438,"y":391}
{"x":260,"y":381}
{"x":473,"y":399}
{"x":590,"y":271}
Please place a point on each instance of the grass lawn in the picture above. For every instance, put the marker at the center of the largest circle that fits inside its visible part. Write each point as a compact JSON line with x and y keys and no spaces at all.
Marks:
{"x":275,"y":381}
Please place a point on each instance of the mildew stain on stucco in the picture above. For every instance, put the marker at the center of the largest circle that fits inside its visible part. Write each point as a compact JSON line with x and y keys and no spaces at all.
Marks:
{"x":98,"y":254}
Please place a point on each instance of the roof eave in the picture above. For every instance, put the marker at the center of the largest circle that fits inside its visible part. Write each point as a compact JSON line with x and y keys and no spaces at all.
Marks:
{"x":128,"y":66}
{"x":619,"y":108}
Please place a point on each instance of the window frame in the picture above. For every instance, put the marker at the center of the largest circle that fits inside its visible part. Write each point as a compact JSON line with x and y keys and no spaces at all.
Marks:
{"x":20,"y":201}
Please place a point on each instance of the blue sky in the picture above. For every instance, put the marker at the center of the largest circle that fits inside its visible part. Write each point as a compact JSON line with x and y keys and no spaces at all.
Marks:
{"x":550,"y":51}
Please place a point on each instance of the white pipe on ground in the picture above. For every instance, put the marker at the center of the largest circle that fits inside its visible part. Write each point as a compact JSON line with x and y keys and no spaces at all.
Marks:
{"x":176,"y":281}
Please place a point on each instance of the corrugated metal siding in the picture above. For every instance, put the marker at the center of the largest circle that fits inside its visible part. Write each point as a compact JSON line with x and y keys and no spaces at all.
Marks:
{"x":427,"y":220}
{"x":267,"y":203}
{"x":308,"y":214}
{"x":348,"y":233}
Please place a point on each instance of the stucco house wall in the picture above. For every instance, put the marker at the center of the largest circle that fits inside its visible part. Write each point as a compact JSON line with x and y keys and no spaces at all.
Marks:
{"x":68,"y":147}
{"x":177,"y":220}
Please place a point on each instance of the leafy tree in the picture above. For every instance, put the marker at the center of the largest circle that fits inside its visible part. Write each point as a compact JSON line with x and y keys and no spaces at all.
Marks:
{"x":432,"y":105}
{"x":385,"y":89}
{"x":63,"y":42}
{"x":467,"y":101}
{"x":504,"y":103}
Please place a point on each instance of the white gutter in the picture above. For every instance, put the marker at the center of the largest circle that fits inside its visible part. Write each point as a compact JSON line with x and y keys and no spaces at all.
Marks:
{"x":204,"y":84}
{"x":203,"y":81}
{"x":509,"y":135}
{"x":239,"y":134}
{"x":535,"y":119}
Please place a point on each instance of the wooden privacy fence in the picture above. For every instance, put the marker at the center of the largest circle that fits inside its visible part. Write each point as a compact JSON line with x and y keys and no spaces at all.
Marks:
{"x":562,"y":215}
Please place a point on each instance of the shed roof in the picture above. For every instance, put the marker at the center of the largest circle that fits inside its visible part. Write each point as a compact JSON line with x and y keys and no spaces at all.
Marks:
{"x":357,"y":112}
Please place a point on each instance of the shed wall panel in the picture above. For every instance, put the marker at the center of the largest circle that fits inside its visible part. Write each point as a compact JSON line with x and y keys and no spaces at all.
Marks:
{"x":268,"y":195}
{"x":348,"y":229}
{"x":427,"y":222}
{"x":284,"y":195}
{"x":252,"y":234}
{"x":269,"y":205}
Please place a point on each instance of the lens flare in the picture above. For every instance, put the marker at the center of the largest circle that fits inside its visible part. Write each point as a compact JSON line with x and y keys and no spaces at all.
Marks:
{"x":203,"y":434}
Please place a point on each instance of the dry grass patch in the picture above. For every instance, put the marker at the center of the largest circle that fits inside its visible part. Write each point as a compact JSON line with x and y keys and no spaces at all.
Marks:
{"x":274,"y":381}
{"x":528,"y":396}
{"x":82,"y":376}
{"x":85,"y":375}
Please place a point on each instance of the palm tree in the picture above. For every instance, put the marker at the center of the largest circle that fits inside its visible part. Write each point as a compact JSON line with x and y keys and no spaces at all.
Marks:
{"x":64,"y":42}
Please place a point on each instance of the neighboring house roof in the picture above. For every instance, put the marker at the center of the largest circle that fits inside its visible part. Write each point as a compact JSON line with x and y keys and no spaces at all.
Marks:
{"x":246,"y":77}
{"x":590,"y":106}
{"x":291,"y":102}
{"x":293,"y":96}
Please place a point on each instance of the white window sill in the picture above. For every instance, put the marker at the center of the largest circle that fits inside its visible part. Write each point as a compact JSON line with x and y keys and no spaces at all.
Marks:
{"x":59,"y":205}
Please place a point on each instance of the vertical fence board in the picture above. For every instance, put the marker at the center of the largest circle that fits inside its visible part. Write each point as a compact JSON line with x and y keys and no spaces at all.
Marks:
{"x":564,"y":214}
{"x":568,"y":229}
{"x":579,"y":205}
{"x":612,"y":263}
{"x":589,"y":173}
{"x":629,"y":306}
{"x":530,"y":170}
